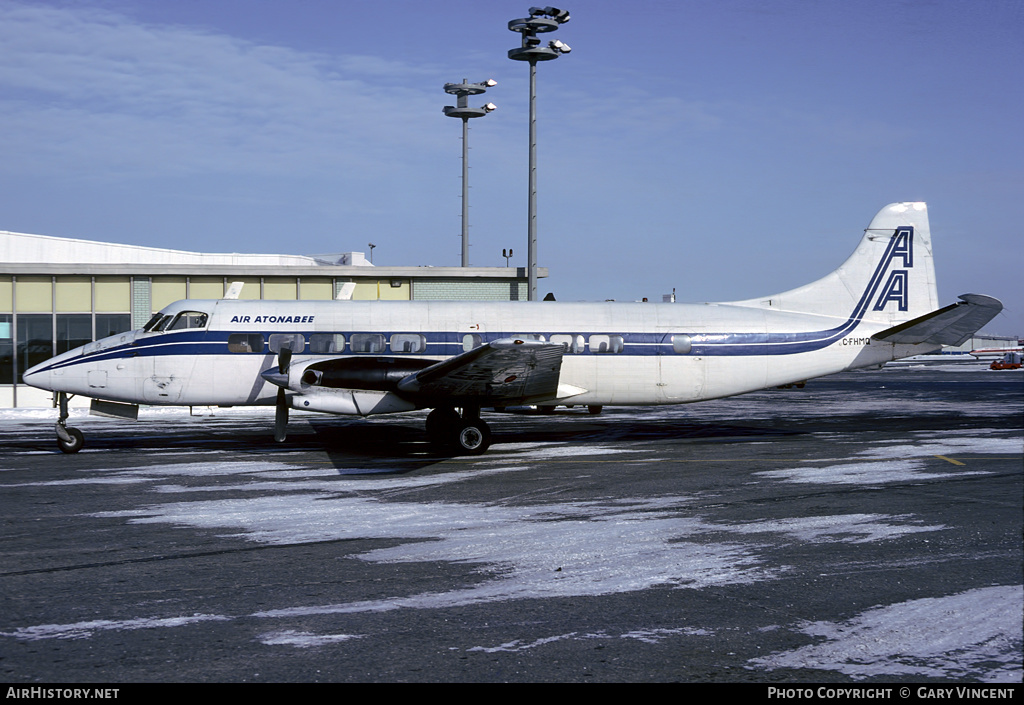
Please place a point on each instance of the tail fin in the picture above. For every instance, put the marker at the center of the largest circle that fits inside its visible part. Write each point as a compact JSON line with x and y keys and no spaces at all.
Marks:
{"x":889,"y":279}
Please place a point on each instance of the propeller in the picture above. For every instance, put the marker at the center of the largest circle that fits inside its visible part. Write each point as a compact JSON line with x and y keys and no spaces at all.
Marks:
{"x":284,"y":360}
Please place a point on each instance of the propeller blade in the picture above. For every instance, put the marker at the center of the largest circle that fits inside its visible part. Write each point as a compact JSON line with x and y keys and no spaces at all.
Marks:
{"x":281,"y":417}
{"x":284,"y":360}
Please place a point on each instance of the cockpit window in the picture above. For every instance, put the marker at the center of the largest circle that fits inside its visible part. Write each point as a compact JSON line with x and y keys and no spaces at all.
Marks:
{"x":157,"y":323}
{"x":188,"y":319}
{"x":152,"y":322}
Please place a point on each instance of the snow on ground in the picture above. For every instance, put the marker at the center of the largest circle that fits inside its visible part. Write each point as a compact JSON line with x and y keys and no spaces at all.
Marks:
{"x":974,"y":634}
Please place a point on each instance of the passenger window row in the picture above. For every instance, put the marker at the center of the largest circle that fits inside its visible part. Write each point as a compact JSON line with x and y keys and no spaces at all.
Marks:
{"x":331,"y":343}
{"x":601,"y":344}
{"x":328,"y":343}
{"x":574,"y":344}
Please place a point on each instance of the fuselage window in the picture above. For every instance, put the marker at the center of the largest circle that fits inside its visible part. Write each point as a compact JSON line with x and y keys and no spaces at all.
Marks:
{"x":605,"y":343}
{"x":326,"y":343}
{"x":367,"y":343}
{"x":245,"y":343}
{"x":471,"y":341}
{"x":569,"y":343}
{"x":408,"y":343}
{"x":188,"y":320}
{"x":295,"y":342}
{"x":682,"y":344}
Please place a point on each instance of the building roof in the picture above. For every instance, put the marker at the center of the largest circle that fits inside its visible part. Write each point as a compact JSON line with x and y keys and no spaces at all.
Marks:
{"x":27,"y":248}
{"x":23,"y":253}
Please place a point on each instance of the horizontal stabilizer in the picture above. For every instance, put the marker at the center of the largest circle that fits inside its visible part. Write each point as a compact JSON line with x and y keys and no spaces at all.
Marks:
{"x":951,"y":325}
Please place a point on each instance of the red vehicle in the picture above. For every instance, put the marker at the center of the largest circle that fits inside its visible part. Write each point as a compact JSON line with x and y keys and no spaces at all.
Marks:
{"x":1010,"y":361}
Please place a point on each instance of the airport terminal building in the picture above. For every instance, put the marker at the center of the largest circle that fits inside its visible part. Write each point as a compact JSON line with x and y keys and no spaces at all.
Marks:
{"x":59,"y":293}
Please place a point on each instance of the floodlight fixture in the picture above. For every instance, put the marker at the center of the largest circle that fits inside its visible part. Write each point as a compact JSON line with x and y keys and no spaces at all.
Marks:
{"x":540,"y":21}
{"x":559,"y":16}
{"x":462,"y":110}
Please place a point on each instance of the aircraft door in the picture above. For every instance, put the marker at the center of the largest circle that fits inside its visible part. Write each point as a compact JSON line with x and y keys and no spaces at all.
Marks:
{"x":681,"y":374}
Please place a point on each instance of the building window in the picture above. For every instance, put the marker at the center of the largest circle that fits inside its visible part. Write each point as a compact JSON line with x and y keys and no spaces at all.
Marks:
{"x":35,"y":340}
{"x":6,"y":349}
{"x":73,"y":330}
{"x":108,"y":324}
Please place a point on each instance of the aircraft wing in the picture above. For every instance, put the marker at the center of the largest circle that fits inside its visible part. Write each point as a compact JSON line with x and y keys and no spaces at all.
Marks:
{"x":951,"y":325}
{"x":502,"y":372}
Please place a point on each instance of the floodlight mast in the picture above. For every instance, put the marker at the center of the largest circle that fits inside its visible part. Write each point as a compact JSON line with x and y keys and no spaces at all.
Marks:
{"x":462,"y":110}
{"x":541,"y":20}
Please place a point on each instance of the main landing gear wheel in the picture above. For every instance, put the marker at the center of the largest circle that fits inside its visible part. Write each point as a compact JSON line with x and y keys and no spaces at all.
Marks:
{"x":466,"y":434}
{"x":472,"y":437}
{"x":74,"y":441}
{"x":441,"y":423}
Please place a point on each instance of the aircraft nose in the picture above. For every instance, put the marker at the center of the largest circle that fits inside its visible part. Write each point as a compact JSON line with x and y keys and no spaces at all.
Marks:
{"x":39,"y":377}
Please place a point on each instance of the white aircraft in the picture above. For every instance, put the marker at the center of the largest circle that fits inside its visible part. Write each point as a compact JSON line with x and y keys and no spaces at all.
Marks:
{"x":380,"y":357}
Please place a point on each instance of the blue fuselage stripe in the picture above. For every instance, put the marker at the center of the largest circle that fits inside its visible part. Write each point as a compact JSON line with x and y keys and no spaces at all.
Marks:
{"x":446,"y":343}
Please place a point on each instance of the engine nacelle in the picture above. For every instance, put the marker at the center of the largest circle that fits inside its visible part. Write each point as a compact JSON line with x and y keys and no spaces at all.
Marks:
{"x":380,"y":374}
{"x":352,"y":402}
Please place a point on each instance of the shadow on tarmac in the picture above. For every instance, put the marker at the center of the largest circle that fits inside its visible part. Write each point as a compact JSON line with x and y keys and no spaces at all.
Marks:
{"x":392,"y":445}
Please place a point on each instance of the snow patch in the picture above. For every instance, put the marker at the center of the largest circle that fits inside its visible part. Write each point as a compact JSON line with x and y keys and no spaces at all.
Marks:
{"x":975,"y":634}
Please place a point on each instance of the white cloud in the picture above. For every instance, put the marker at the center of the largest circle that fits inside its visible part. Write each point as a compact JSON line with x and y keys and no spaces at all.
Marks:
{"x":87,"y":87}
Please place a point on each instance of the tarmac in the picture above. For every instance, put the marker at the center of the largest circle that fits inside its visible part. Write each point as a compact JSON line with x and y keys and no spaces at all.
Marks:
{"x":864,"y":529}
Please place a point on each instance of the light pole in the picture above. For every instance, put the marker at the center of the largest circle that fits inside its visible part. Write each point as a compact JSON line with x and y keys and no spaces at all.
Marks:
{"x":462,"y":110}
{"x":546,"y":19}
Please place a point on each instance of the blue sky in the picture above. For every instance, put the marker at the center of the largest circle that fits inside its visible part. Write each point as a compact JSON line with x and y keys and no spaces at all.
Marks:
{"x":725,"y":148}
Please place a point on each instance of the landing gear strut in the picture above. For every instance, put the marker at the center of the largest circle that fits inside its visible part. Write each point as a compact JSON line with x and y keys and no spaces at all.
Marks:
{"x":467,"y":433}
{"x":69,"y":440}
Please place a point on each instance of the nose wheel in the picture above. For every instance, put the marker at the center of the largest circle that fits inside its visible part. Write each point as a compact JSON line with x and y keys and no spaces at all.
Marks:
{"x":69,"y":440}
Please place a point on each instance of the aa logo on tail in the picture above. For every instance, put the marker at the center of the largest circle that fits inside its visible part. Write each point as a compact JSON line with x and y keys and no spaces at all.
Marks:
{"x":897,"y":286}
